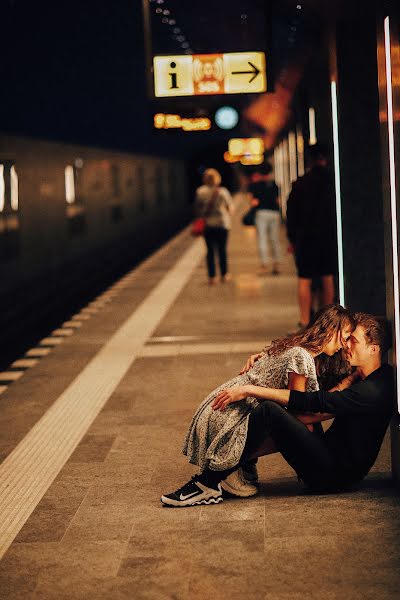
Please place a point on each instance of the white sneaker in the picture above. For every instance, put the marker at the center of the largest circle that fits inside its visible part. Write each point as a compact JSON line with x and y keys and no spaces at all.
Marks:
{"x":237,"y":485}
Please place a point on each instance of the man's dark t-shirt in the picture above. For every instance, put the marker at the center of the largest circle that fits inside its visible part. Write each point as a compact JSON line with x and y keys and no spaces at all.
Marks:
{"x":266,"y":192}
{"x":362,"y":414}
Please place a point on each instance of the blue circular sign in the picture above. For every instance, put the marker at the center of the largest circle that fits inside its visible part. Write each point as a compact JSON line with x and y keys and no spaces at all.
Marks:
{"x":226,"y":117}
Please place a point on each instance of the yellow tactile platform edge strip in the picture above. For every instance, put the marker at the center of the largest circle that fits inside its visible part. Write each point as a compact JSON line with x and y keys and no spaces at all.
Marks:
{"x":29,"y":470}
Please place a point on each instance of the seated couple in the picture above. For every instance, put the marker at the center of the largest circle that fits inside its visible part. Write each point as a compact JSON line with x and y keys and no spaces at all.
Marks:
{"x":275,"y":405}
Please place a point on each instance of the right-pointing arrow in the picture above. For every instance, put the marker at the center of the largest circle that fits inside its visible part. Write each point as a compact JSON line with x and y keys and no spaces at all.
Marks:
{"x":255,"y":71}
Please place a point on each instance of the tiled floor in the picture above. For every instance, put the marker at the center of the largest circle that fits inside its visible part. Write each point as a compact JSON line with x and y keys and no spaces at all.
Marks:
{"x":99,"y":532}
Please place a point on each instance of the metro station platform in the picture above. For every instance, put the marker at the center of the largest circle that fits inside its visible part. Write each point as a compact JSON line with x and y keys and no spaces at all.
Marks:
{"x":91,"y":434}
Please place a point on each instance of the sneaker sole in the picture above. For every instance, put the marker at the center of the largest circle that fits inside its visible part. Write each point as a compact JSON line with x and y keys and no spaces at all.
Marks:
{"x":225,"y":486}
{"x":177,"y":504}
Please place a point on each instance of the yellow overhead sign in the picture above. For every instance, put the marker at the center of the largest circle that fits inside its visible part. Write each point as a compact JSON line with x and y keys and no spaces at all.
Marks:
{"x":204,"y":74}
{"x":246,"y":146}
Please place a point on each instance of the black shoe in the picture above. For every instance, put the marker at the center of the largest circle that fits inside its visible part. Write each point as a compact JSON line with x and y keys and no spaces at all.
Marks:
{"x":192,"y":493}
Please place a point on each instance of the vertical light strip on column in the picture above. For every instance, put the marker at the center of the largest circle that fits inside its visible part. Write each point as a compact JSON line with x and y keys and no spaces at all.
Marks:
{"x":292,"y":157}
{"x":2,"y":189}
{"x":286,"y":175}
{"x":300,"y":150}
{"x":311,"y":126}
{"x":393,"y":206}
{"x":335,"y":126}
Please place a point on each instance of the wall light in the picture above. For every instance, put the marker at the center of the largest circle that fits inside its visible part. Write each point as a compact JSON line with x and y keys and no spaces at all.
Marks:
{"x":69,"y":184}
{"x":292,"y":157}
{"x":311,"y":126}
{"x":335,"y":127}
{"x":2,"y":189}
{"x":14,"y":188}
{"x":300,"y":151}
{"x":393,"y":207}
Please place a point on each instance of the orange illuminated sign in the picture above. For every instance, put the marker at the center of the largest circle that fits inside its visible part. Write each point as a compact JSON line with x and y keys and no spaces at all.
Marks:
{"x":203,"y":74}
{"x":246,"y":146}
{"x":248,"y":151}
{"x":167,"y":121}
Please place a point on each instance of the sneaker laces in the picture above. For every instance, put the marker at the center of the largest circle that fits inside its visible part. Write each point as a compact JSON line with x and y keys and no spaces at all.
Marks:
{"x":193,"y":480}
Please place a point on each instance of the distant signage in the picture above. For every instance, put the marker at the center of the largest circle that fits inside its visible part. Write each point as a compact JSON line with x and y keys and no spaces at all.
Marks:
{"x":169,"y":121}
{"x":205,"y":74}
{"x":246,"y":146}
{"x":248,"y":151}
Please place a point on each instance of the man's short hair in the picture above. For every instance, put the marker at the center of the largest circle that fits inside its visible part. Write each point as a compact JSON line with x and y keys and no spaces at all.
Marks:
{"x":376,"y":330}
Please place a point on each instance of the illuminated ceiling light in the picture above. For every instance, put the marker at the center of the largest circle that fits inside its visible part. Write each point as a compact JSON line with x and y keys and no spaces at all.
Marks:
{"x":393,"y":205}
{"x":166,"y":12}
{"x":226,"y":117}
{"x":164,"y":20}
{"x":298,"y":7}
{"x":158,"y":10}
{"x":180,"y":38}
{"x":172,"y":21}
{"x":335,"y":127}
{"x":185,"y":45}
{"x":176,"y":30}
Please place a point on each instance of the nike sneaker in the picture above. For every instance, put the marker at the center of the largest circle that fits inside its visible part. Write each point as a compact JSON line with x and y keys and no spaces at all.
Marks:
{"x":193,"y":493}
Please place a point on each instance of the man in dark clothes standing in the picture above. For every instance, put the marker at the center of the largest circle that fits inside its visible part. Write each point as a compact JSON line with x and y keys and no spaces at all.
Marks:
{"x":311,"y":230}
{"x":340,"y":457}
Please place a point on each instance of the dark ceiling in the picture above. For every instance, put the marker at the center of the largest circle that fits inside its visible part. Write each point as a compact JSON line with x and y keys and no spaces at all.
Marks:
{"x":75,"y":70}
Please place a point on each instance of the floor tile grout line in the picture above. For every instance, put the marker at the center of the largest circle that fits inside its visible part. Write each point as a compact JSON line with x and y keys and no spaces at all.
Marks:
{"x":144,"y":319}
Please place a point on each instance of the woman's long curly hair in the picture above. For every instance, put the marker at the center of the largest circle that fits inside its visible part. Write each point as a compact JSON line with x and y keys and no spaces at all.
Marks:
{"x":328,"y":321}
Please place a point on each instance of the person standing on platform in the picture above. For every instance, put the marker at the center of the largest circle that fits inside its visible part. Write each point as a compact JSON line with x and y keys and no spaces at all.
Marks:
{"x":311,"y":231}
{"x":263,"y":193}
{"x":215,"y":204}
